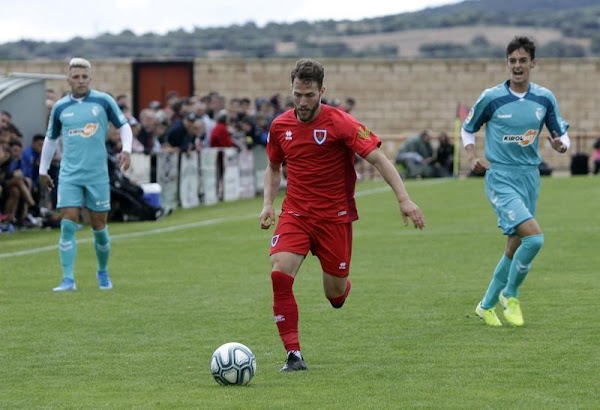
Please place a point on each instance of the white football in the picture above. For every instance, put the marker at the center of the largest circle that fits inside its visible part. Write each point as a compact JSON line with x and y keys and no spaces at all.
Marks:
{"x":233,"y":364}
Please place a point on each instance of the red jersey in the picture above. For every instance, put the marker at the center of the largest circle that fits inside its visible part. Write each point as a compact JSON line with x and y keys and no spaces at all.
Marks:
{"x":220,"y":136}
{"x":319,"y":161}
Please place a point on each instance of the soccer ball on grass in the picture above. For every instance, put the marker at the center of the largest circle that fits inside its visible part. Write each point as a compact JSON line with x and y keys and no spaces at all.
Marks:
{"x":233,"y":364}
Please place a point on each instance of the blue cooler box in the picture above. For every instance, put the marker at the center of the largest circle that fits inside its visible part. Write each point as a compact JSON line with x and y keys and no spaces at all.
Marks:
{"x":152,"y":194}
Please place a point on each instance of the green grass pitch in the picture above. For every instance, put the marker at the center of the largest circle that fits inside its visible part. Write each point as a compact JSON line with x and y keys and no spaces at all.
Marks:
{"x":407,"y":336}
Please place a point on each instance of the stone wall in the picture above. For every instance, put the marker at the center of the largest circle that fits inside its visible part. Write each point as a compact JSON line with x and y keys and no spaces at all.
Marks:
{"x":394,"y":98}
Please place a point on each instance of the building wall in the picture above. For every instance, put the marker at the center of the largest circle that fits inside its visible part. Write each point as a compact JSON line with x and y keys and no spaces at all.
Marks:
{"x":394,"y":98}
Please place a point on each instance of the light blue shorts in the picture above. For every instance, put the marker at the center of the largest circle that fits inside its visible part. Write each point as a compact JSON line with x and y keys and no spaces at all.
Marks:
{"x":94,"y":197}
{"x":513,"y":193}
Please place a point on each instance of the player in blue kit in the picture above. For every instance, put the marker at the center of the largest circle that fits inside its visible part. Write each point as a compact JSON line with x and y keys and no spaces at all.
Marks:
{"x":82,"y":119}
{"x":514,"y":114}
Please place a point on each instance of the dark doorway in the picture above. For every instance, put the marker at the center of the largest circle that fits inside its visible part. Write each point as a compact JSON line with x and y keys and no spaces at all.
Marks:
{"x":153,"y":80}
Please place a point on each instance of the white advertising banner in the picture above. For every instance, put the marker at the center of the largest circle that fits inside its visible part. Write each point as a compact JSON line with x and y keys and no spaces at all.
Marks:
{"x":167,"y":176}
{"x":188,"y":180}
{"x":247,"y":177}
{"x":139,"y":170}
{"x":231,"y":175}
{"x":208,"y":163}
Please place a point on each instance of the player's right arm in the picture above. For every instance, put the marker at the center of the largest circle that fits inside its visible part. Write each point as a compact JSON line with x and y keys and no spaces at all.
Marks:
{"x":49,"y":147}
{"x":478,"y":165}
{"x":272,"y":181}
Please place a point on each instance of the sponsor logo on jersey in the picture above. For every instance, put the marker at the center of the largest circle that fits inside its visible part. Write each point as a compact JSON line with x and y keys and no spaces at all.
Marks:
{"x":288,"y":135}
{"x":68,"y":114}
{"x":523,"y":140}
{"x":364,"y":133}
{"x":95,"y":110}
{"x":85,"y":132}
{"x":504,"y":115}
{"x":320,"y":136}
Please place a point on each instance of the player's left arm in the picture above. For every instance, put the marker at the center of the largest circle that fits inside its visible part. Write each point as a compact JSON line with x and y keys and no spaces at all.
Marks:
{"x":126,"y":141}
{"x":389,"y":173}
{"x":559,"y":143}
{"x":559,"y":139}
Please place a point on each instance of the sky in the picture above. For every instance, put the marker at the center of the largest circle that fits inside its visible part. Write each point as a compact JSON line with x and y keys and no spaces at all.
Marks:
{"x":61,"y":20}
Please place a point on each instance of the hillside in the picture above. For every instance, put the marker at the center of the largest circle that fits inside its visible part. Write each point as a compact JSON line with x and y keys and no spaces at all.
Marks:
{"x":472,"y":28}
{"x":409,"y":43}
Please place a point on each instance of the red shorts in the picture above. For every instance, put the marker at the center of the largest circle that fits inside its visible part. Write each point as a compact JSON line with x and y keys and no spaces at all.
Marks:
{"x":331,"y":243}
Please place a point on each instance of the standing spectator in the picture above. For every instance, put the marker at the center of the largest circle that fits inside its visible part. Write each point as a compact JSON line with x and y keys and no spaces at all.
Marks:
{"x":82,"y":119}
{"x":514,"y":113}
{"x":200,"y":136}
{"x":221,"y":136}
{"x":147,"y":136}
{"x":262,"y":129}
{"x":180,"y":136}
{"x":317,"y":143}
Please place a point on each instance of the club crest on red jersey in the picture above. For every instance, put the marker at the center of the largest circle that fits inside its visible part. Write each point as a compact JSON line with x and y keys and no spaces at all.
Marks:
{"x":320,"y":136}
{"x":274,"y":240}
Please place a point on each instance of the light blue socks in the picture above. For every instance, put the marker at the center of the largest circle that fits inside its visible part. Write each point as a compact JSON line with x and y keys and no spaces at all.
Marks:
{"x":497,"y":283}
{"x":530,"y":246}
{"x":102,"y":246}
{"x":510,"y":274}
{"x":67,"y":247}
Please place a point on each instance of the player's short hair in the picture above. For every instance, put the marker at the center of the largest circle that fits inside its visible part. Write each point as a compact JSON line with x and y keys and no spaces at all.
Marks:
{"x":308,"y":70}
{"x":79,"y":62}
{"x":521,"y":42}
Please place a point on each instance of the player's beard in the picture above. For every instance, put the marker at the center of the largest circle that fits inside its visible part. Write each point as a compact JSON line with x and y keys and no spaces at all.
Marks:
{"x":307,"y":115}
{"x":79,"y":92}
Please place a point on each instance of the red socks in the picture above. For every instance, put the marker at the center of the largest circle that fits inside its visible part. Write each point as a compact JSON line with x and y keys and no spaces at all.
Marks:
{"x":285,"y":309}
{"x":338,"y":302}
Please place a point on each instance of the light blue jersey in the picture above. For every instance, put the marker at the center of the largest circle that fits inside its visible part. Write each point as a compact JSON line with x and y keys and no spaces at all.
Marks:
{"x":83,"y":125}
{"x":513,"y":124}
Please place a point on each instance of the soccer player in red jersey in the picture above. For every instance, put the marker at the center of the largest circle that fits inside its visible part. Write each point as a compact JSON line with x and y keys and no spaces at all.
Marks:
{"x":317,"y":143}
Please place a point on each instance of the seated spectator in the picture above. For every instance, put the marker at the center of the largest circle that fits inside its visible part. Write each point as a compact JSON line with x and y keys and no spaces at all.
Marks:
{"x":30,"y":163}
{"x":416,"y":155}
{"x":444,"y":156}
{"x":5,"y":119}
{"x":348,"y":105}
{"x":16,"y":188}
{"x":596,"y":156}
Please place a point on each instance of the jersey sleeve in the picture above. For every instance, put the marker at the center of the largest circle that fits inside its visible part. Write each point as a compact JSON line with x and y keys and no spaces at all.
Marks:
{"x":477,"y":115}
{"x":54,"y":124}
{"x":357,"y":136}
{"x":553,"y":120}
{"x":274,"y":151}
{"x":114,"y":113}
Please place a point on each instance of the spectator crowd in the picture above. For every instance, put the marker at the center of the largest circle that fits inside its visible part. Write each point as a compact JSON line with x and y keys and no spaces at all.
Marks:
{"x":181,"y":124}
